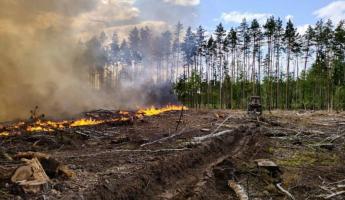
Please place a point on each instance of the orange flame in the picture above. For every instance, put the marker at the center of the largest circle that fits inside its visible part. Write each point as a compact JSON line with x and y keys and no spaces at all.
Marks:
{"x":86,"y":122}
{"x":4,"y":134}
{"x":156,"y":111}
{"x":50,"y":126}
{"x":46,"y":126}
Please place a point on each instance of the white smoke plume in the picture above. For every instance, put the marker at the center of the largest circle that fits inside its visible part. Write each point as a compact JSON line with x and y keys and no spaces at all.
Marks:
{"x":40,"y":56}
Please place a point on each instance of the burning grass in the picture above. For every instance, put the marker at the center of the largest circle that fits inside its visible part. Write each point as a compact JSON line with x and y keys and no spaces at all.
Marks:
{"x":156,"y":111}
{"x":121,"y":116}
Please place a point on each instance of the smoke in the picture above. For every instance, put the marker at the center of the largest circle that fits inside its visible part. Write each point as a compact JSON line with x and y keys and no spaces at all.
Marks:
{"x":40,"y":56}
{"x":39,"y":59}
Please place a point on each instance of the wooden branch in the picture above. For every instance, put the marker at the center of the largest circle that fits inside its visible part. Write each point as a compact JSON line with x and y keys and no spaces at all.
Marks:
{"x":285,"y":191}
{"x":335,"y":194}
{"x":212,"y":135}
{"x":226,"y":119}
{"x":84,"y":134}
{"x":179,"y":120}
{"x":226,"y":126}
{"x":165,"y":138}
{"x":320,"y":124}
{"x":5,"y":154}
{"x":315,"y":132}
{"x":238,"y":189}
{"x":287,"y":129}
{"x":337,"y":137}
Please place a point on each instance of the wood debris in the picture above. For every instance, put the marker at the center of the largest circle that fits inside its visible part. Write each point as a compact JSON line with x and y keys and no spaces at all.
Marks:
{"x":238,"y":189}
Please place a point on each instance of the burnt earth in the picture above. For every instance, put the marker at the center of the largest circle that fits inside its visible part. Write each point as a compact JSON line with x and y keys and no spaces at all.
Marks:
{"x":111,"y":162}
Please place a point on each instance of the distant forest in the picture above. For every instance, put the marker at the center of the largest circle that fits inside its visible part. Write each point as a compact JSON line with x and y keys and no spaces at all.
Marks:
{"x":224,"y":68}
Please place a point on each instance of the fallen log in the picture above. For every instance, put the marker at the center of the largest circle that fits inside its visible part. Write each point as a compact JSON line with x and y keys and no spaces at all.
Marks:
{"x":238,"y":189}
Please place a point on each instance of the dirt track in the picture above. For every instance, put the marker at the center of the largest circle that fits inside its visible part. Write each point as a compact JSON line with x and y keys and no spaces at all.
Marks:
{"x":115,"y":165}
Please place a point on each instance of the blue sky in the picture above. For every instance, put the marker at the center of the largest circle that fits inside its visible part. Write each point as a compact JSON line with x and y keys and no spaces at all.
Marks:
{"x":301,"y":10}
{"x":230,"y":12}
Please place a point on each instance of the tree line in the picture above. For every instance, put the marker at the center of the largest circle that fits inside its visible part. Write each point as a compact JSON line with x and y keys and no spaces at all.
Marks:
{"x":289,"y":70}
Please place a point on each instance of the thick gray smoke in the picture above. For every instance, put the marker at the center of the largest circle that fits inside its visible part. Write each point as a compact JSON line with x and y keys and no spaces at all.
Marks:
{"x":39,"y":59}
{"x":40,"y":56}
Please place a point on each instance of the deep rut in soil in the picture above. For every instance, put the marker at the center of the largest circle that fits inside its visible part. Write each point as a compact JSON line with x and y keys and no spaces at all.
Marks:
{"x":181,"y":176}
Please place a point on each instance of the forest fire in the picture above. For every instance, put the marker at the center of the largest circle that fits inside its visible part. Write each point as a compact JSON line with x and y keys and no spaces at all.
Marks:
{"x":123,"y":116}
{"x":40,"y":125}
{"x":86,"y":122}
{"x":156,"y":111}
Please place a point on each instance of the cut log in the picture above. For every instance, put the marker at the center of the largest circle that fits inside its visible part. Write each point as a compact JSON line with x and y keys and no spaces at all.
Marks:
{"x":51,"y":166}
{"x":31,"y":177}
{"x":22,"y":173}
{"x":238,"y":189}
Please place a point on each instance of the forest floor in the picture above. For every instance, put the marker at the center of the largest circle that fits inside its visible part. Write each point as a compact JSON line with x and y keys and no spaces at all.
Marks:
{"x":149,"y":159}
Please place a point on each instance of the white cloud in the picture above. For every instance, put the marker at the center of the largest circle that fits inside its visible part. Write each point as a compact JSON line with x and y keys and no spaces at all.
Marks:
{"x":334,"y":11}
{"x":302,"y":28}
{"x":289,"y":17}
{"x":184,"y":2}
{"x":237,"y":17}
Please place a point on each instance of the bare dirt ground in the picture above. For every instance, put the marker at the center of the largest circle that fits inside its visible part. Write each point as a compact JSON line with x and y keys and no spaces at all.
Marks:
{"x":149,"y":159}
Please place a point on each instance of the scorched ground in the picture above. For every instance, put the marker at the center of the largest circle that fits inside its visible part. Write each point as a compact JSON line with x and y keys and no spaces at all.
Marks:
{"x":148,"y":158}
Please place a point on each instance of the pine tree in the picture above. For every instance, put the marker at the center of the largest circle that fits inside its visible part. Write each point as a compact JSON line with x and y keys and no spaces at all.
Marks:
{"x":177,"y":47}
{"x":233,"y":43}
{"x":166,"y":41}
{"x":245,"y":41}
{"x":270,"y":29}
{"x":115,"y":56}
{"x":201,"y":45}
{"x":134,"y":41}
{"x":307,"y":50}
{"x":189,"y":49}
{"x":220,"y":33}
{"x":145,"y":45}
{"x":290,"y":37}
{"x":278,"y":46}
{"x":255,"y":33}
{"x":339,"y":53}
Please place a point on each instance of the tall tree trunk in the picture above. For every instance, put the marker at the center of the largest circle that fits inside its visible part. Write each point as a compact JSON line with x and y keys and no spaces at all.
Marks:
{"x":287,"y":80}
{"x":305,"y":76}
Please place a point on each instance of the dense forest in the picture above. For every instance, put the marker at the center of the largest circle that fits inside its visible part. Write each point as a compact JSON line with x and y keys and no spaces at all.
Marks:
{"x":223,"y":69}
